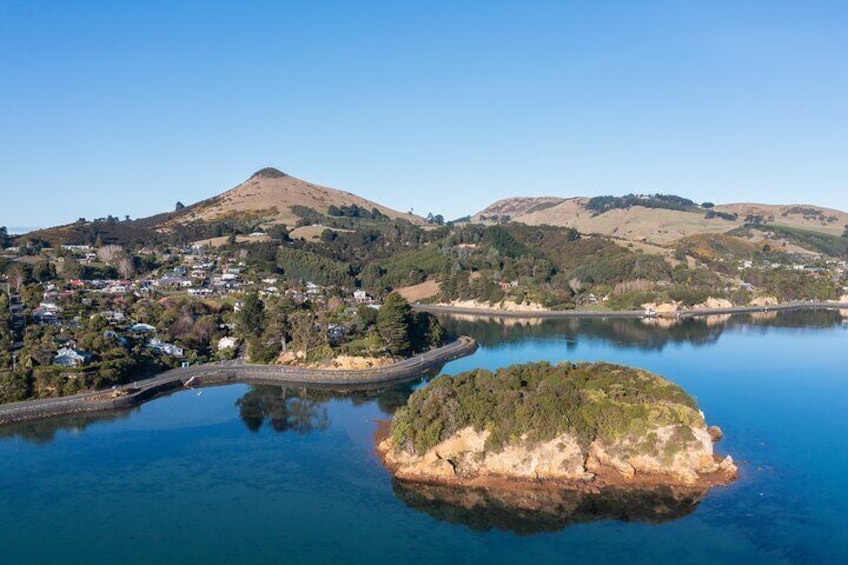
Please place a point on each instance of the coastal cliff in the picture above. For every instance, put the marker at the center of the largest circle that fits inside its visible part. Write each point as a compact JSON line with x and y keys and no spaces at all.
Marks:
{"x":583,"y":425}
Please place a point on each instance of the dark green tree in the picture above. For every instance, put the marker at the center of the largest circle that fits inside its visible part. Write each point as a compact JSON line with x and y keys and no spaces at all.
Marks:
{"x":278,"y":232}
{"x":426,"y":332}
{"x":251,"y":318}
{"x":43,"y":271}
{"x":393,"y":324}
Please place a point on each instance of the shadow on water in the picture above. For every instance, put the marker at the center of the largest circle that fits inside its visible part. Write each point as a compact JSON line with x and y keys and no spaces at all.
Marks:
{"x":304,"y":410}
{"x":649,"y":334}
{"x":301,"y":410}
{"x":533,"y":511}
{"x":43,"y":432}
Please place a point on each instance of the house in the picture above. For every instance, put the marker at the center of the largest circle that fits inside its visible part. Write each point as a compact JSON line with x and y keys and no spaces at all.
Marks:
{"x":362,"y":297}
{"x":76,"y":247}
{"x":110,"y":334}
{"x":116,"y":288}
{"x":336,"y":333}
{"x":68,"y":357}
{"x":141,"y":329}
{"x":163,"y":348}
{"x":312,"y":289}
{"x":169,"y":281}
{"x":227,"y":343}
{"x":46,"y":313}
{"x":113,"y":316}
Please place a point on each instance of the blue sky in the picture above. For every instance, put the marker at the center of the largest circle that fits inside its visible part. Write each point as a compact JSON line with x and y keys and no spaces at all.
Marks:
{"x":125,"y":107}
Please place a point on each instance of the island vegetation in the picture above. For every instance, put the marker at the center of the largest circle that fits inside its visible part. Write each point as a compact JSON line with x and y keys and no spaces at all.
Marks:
{"x":577,"y":422}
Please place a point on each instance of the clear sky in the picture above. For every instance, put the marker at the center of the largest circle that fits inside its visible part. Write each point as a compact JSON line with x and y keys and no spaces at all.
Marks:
{"x":123,"y":107}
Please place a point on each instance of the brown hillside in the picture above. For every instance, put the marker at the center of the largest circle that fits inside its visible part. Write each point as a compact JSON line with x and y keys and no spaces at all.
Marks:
{"x":270,"y":194}
{"x":519,"y":206}
{"x":652,"y":225}
{"x":803,"y":216}
{"x":659,"y":226}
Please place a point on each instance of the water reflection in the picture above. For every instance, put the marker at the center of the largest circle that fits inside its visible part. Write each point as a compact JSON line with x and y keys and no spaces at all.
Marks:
{"x":283,"y":409}
{"x":42,"y":432}
{"x":304,"y":410}
{"x":650,"y":334}
{"x":533,"y":511}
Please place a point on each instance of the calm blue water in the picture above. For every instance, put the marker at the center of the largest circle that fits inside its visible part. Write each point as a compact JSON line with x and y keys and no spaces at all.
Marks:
{"x":268,"y":476}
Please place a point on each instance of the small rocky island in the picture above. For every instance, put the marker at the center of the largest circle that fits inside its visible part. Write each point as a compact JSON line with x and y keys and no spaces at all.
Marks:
{"x":579,"y":426}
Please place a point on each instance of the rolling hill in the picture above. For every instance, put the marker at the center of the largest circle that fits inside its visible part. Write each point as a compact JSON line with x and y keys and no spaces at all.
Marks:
{"x":661,"y":226}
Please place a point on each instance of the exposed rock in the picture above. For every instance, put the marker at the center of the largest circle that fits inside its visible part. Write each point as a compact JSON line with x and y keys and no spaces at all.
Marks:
{"x":665,"y":309}
{"x":503,"y":306}
{"x":764,"y":301}
{"x":844,"y":311}
{"x":667,"y":443}
{"x":713,"y":304}
{"x":715,"y":433}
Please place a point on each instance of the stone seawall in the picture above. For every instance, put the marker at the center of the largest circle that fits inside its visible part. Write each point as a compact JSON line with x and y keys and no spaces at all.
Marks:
{"x":233,"y":373}
{"x":686,"y":313}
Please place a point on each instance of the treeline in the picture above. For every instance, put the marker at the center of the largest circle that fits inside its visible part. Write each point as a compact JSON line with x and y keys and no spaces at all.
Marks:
{"x":729,"y":216}
{"x":601,"y":204}
{"x":355,"y":211}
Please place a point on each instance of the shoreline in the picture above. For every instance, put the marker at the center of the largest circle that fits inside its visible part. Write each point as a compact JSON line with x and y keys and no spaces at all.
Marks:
{"x":632,"y":314}
{"x":233,"y":372}
{"x":609,"y":478}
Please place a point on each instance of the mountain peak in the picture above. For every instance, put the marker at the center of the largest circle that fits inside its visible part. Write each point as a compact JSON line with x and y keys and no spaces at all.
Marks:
{"x":269,"y":173}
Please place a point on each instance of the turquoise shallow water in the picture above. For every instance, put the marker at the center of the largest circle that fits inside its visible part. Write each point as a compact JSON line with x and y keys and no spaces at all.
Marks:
{"x":269,"y":476}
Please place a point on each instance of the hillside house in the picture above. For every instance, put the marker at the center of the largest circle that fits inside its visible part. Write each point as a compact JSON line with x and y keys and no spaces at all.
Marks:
{"x":142,"y":329}
{"x":68,"y":357}
{"x":227,"y":343}
{"x":162,"y":348}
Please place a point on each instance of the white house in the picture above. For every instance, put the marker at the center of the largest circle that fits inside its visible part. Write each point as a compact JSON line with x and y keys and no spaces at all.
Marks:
{"x":227,"y":343}
{"x":362,"y":297}
{"x":67,"y":357}
{"x":163,"y":348}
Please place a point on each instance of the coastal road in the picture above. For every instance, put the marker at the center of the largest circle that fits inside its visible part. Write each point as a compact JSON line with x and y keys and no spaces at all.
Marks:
{"x":231,"y":372}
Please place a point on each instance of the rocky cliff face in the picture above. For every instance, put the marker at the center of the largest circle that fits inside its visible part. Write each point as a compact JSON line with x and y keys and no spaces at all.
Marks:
{"x":659,"y":457}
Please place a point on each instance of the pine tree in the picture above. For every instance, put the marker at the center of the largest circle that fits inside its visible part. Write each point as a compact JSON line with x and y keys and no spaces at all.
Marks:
{"x":393,"y":323}
{"x":252,"y":316}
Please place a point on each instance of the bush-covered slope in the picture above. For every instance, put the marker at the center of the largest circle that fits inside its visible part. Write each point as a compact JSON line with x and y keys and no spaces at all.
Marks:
{"x":540,"y":402}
